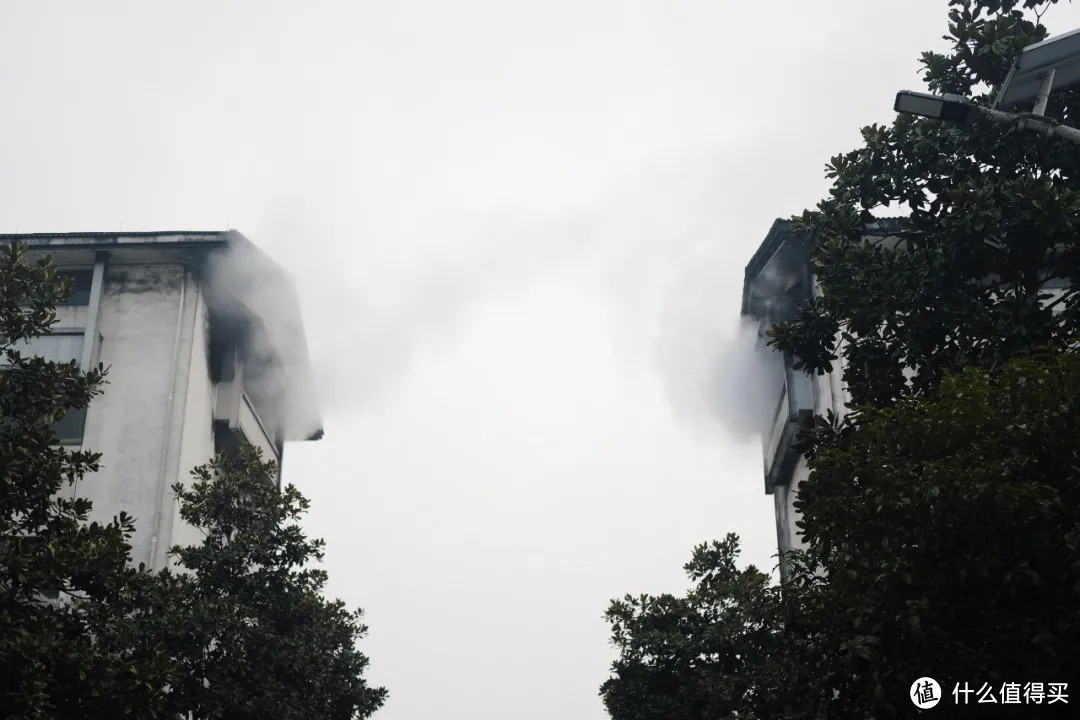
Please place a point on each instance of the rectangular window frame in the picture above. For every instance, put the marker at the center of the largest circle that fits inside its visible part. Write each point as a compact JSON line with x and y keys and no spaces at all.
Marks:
{"x":82,"y":278}
{"x":70,"y":428}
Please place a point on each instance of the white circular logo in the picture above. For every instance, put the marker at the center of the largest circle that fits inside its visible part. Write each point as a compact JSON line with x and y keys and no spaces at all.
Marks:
{"x":925,"y":693}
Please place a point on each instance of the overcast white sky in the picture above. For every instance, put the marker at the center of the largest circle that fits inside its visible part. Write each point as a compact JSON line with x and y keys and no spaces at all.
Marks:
{"x":518,"y":232}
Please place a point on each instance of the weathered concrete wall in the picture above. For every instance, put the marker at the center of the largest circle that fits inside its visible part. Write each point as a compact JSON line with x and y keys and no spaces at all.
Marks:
{"x":791,"y":538}
{"x":70,"y":316}
{"x":197,"y":441}
{"x":154,"y":422}
{"x":139,"y":321}
{"x":829,"y":394}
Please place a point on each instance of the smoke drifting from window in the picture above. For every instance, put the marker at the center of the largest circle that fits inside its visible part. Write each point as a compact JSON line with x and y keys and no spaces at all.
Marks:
{"x":255,"y":299}
{"x":719,"y":376}
{"x":659,"y":248}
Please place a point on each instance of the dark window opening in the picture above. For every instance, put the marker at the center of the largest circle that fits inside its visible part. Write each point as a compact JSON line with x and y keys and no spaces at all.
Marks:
{"x":227,"y":336}
{"x":81,"y":280}
{"x":69,"y":428}
{"x":229,"y":441}
{"x":226,"y":440}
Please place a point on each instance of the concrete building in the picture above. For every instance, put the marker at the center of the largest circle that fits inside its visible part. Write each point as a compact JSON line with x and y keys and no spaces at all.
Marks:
{"x":204,"y":344}
{"x":778,"y":280}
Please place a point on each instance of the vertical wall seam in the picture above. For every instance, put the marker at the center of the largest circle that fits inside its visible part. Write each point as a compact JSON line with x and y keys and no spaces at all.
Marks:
{"x":93,"y":311}
{"x":90,"y":334}
{"x":172,"y":466}
{"x":169,"y":404}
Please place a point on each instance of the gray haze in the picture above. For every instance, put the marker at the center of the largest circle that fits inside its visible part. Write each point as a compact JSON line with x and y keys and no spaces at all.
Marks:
{"x":518,"y":232}
{"x":277,"y":365}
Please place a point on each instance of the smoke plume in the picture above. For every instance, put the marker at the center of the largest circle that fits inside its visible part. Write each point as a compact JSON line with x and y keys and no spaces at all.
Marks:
{"x":660,"y":246}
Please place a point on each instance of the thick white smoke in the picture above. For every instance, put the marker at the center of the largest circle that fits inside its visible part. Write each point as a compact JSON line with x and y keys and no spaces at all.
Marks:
{"x":720,"y":376}
{"x":244,"y":281}
{"x":668,"y":248}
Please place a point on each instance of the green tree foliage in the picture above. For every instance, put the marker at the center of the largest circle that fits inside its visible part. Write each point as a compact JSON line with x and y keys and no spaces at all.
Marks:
{"x":253,"y":635}
{"x":68,"y":596}
{"x":949,"y":532}
{"x":239,"y":631}
{"x":944,"y":540}
{"x":689,"y":657}
{"x":941,"y":520}
{"x":992,"y":226}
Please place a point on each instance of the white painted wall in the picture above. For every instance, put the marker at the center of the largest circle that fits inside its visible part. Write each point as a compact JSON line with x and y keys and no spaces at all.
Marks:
{"x":70,"y":316}
{"x":154,"y":423}
{"x":155,"y":420}
{"x":139,"y":320}
{"x":830,"y":393}
{"x":788,"y":536}
{"x":197,"y":441}
{"x":252,"y":428}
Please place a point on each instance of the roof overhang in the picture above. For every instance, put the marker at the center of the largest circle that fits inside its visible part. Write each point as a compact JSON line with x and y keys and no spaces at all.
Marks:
{"x":776,"y":267}
{"x":68,"y":249}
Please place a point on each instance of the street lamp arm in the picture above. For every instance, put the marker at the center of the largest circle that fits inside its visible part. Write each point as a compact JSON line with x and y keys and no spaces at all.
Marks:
{"x":1037,"y":123}
{"x":954,"y":108}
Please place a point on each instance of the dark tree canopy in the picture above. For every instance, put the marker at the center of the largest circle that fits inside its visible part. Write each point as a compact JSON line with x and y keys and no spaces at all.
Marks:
{"x":68,"y":596}
{"x":944,"y":541}
{"x":242,"y":631}
{"x":949,"y":532}
{"x":991,"y":227}
{"x":253,"y":635}
{"x":683,"y":658}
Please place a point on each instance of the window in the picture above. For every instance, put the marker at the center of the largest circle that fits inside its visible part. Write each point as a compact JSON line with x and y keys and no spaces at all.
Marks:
{"x":69,"y":428}
{"x":60,"y":347}
{"x":65,"y":345}
{"x":82,"y":279}
{"x":229,"y":441}
{"x":226,"y":440}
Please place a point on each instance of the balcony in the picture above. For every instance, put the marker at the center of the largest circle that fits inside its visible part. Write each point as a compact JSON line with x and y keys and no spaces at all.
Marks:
{"x":795,"y":405}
